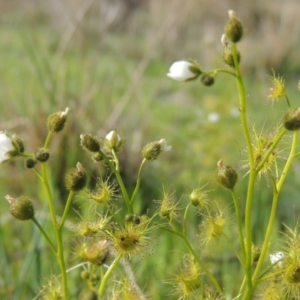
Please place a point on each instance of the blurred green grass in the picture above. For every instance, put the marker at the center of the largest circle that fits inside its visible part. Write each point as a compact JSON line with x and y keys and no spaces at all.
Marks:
{"x":112,"y":76}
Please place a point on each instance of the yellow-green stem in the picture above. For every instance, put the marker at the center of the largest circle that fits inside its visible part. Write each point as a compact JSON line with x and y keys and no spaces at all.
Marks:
{"x":107,"y":274}
{"x":239,"y":223}
{"x":252,"y":175}
{"x":35,"y":221}
{"x":185,"y":218}
{"x":272,"y":218}
{"x":59,"y":253}
{"x":138,"y":182}
{"x":201,"y":264}
{"x":120,"y":181}
{"x":66,"y":210}
{"x":116,"y":160}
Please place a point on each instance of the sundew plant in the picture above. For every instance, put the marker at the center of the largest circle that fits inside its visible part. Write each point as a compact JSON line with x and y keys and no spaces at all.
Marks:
{"x":115,"y":232}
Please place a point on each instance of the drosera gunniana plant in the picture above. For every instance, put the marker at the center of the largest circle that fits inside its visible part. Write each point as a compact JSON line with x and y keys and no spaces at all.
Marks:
{"x":111,"y":234}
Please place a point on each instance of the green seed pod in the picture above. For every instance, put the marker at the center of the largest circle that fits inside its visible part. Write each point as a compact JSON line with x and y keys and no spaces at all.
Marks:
{"x":292,"y":119}
{"x":207,"y":79}
{"x":89,"y":143}
{"x":21,"y":208}
{"x":30,"y":163}
{"x":226,"y":176}
{"x":76,"y":178}
{"x":42,"y":155}
{"x":234,"y":28}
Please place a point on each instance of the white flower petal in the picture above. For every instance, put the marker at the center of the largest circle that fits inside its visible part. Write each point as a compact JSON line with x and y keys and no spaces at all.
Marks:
{"x":164,"y":146}
{"x":5,"y":146}
{"x":110,"y":135}
{"x":180,"y":71}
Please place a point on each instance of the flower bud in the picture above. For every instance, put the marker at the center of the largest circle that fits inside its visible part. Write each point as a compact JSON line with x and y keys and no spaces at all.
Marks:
{"x":89,"y":143}
{"x":30,"y":163}
{"x":152,"y":150}
{"x":184,"y":71}
{"x":207,"y":79}
{"x":226,"y":176}
{"x":292,"y":119}
{"x":96,"y":253}
{"x":42,"y":155}
{"x":113,"y":141}
{"x":234,"y":28}
{"x":97,"y":157}
{"x":18,"y":143}
{"x":228,"y":57}
{"x":21,"y":208}
{"x":256,"y":251}
{"x":76,"y":178}
{"x":56,"y":121}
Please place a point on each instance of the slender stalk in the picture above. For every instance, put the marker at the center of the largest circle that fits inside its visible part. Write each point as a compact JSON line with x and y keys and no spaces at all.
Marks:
{"x":138,"y":182}
{"x":120,"y":181}
{"x":253,"y":174}
{"x":58,"y":236}
{"x":201,"y":264}
{"x":234,"y":249}
{"x":46,"y":144}
{"x":35,"y":221}
{"x":272,"y":218}
{"x":239,"y":222}
{"x":185,"y":218}
{"x":107,"y":274}
{"x":66,"y":210}
{"x":116,"y":160}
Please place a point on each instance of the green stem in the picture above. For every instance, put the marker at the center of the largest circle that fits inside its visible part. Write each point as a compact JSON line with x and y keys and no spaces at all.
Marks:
{"x":116,"y":160}
{"x":271,"y":149}
{"x":185,"y":219}
{"x":66,"y":210}
{"x":59,"y":253}
{"x":253,"y":174}
{"x":35,"y":221}
{"x":239,"y":223}
{"x":138,"y":182}
{"x":228,"y":71}
{"x":120,"y":181}
{"x":234,"y":249}
{"x":201,"y":264}
{"x":46,"y":144}
{"x":272,"y":218}
{"x":107,"y":274}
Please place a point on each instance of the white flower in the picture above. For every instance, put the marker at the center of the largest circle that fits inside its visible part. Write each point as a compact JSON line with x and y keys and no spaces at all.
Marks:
{"x":6,"y":146}
{"x":277,"y":257}
{"x":213,"y":117}
{"x":164,"y":146}
{"x":181,"y":71}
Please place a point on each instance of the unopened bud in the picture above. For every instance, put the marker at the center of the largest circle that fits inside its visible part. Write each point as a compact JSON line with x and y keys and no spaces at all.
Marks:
{"x":113,"y":141}
{"x":56,"y":121}
{"x":90,"y":143}
{"x":30,"y":163}
{"x":152,"y":150}
{"x":21,"y":208}
{"x":228,"y":57}
{"x":292,"y":119}
{"x":76,"y":178}
{"x":18,"y":143}
{"x":42,"y":155}
{"x":97,"y":252}
{"x":226,"y":175}
{"x":207,"y":79}
{"x":234,"y":28}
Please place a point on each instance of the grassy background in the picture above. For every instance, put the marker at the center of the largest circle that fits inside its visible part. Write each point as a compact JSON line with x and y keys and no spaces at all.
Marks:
{"x":107,"y":61}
